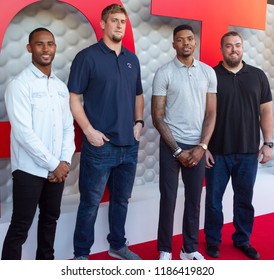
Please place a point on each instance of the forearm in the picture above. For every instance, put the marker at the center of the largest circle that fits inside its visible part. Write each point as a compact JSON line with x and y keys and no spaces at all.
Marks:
{"x":266,"y":121}
{"x":94,"y":137}
{"x":139,"y":107}
{"x":79,"y":113}
{"x":208,"y":128}
{"x":157,"y":111}
{"x":210,"y":119}
{"x":166,"y":134}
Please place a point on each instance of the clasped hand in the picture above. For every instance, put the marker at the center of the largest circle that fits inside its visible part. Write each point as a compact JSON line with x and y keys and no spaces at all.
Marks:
{"x":190,"y":158}
{"x":60,"y":173}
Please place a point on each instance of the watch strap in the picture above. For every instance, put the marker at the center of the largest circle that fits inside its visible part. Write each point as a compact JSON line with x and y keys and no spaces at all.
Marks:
{"x":269,"y":144}
{"x":140,"y":121}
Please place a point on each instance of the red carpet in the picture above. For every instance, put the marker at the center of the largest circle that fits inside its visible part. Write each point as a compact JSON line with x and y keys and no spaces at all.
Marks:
{"x":262,"y":239}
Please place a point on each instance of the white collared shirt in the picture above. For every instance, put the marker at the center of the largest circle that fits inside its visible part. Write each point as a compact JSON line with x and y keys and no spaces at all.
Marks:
{"x":42,"y":131}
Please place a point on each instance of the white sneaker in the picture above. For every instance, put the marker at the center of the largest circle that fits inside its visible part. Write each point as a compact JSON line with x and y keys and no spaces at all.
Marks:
{"x":191,"y":256}
{"x":165,"y":256}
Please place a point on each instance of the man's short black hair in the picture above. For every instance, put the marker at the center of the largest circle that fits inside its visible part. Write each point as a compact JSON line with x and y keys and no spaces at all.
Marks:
{"x":39,"y":29}
{"x":182,"y":27}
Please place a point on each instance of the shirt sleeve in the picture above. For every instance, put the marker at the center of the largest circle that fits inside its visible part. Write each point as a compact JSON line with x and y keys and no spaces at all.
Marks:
{"x":79,"y":74}
{"x":68,"y":145}
{"x":212,"y":88}
{"x":159,"y":84}
{"x":266,"y":95}
{"x":139,"y":87}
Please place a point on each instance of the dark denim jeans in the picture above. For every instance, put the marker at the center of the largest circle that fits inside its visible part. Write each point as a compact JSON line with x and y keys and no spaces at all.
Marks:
{"x":115,"y":167}
{"x":30,"y":191}
{"x":242,"y":169}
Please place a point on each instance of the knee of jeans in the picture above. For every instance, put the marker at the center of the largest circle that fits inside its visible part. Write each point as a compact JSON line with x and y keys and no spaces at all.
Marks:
{"x":121,"y":198}
{"x":87,"y":211}
{"x":89,"y":203}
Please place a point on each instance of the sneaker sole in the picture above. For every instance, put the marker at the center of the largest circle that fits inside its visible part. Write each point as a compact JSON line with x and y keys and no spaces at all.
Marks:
{"x":184,"y":258}
{"x":116,"y":256}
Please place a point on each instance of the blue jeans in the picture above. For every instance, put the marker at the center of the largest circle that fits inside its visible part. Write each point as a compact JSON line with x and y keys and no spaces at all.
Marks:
{"x":242,"y":168}
{"x":115,"y":167}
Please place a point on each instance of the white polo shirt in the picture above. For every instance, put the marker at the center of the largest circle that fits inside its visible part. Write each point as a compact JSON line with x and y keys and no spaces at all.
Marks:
{"x":186,"y":89}
{"x":42,"y":131}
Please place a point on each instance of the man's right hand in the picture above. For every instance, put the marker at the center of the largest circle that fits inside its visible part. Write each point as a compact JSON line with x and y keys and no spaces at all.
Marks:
{"x":96,"y":138}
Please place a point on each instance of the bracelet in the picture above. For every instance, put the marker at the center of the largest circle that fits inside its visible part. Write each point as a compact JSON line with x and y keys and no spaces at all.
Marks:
{"x":177,"y":152}
{"x":140,"y":121}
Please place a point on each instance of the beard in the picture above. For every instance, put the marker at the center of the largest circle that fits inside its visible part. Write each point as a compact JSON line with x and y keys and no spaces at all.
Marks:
{"x":186,"y":55}
{"x":41,"y":63}
{"x":116,"y":39}
{"x":233,"y":63}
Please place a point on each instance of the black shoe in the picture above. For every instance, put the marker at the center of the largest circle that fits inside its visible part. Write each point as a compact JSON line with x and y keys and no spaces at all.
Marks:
{"x":213,"y":251}
{"x":249,"y":251}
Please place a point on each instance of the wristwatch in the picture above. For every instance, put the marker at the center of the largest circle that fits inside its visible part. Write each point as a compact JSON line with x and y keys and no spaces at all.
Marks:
{"x":203,"y":145}
{"x":141,"y":122}
{"x":269,"y":144}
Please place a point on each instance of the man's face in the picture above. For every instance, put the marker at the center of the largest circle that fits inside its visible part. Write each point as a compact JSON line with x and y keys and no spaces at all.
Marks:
{"x":43,"y":48}
{"x":184,"y":43}
{"x":115,"y":26}
{"x":232,"y":50}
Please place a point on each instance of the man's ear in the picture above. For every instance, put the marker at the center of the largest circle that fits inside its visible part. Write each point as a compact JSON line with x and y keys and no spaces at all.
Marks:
{"x":28,"y":48}
{"x":102,"y":24}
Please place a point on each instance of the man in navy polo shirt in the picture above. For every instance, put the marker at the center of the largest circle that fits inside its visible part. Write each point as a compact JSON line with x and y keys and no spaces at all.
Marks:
{"x":108,"y":77}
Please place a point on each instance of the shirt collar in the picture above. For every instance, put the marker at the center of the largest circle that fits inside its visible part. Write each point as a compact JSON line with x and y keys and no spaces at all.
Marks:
{"x":243,"y":70}
{"x":179,"y":64}
{"x":39,"y":73}
{"x":106,"y":49}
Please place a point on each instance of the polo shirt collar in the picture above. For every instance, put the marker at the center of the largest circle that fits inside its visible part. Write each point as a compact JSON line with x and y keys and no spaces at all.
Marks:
{"x":243,"y":70}
{"x":39,"y":73}
{"x":106,"y":49}
{"x":179,"y":64}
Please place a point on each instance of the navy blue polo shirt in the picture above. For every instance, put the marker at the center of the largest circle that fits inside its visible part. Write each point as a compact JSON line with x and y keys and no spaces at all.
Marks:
{"x":109,"y":84}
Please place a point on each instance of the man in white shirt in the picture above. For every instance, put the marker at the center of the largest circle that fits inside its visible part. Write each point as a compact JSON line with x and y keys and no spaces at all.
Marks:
{"x":42,"y":144}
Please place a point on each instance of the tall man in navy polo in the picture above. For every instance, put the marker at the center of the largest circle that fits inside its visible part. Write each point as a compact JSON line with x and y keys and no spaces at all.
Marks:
{"x":108,"y":77}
